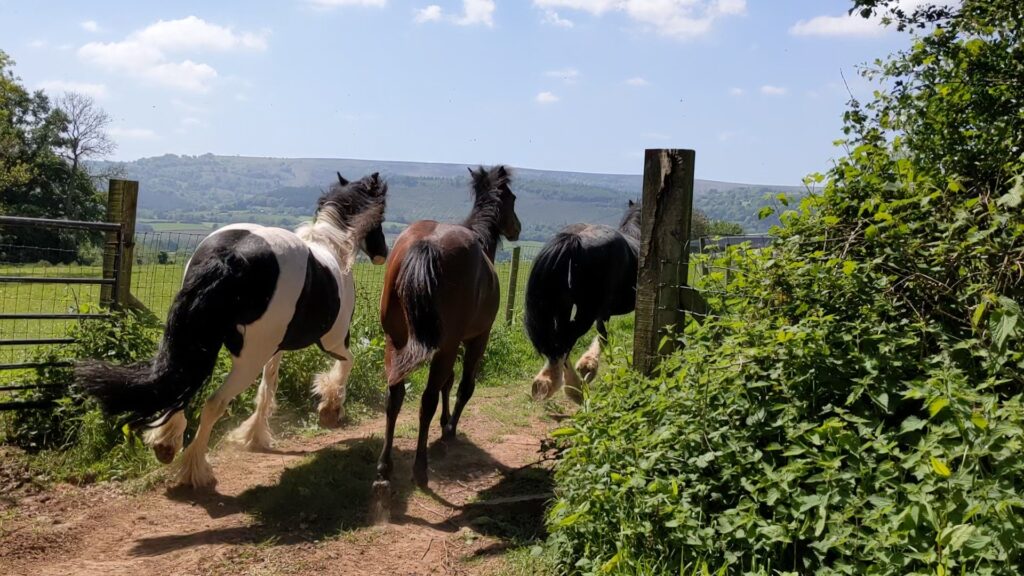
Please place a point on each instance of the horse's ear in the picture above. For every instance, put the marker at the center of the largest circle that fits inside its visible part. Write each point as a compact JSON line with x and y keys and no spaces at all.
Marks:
{"x":502,"y":172}
{"x":631,"y":203}
{"x":377,"y":188}
{"x":341,"y":179}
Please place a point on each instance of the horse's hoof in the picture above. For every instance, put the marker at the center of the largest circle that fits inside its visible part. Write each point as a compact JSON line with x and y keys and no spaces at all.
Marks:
{"x":164,"y":453}
{"x":380,"y":502}
{"x":331,"y":418}
{"x":541,"y":390}
{"x":587,"y":369}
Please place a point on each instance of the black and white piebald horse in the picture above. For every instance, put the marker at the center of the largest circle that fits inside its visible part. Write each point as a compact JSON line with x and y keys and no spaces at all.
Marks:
{"x":257,"y":291}
{"x":586,"y":273}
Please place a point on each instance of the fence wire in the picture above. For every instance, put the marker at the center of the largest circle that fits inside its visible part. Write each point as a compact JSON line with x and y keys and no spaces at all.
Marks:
{"x":48,"y":275}
{"x":160,"y":259}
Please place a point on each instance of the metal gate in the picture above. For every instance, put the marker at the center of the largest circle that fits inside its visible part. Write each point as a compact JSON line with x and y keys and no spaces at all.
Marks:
{"x":33,"y":315}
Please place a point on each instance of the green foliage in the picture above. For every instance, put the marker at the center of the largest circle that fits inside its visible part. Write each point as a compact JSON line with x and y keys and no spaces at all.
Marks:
{"x":858,"y":409}
{"x":75,"y":440}
{"x":34,"y":179}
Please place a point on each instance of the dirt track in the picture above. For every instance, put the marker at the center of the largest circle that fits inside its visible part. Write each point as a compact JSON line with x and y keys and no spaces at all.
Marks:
{"x":303,"y":508}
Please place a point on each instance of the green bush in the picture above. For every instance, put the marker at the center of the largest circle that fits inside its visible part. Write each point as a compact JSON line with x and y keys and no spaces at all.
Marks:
{"x":858,"y":409}
{"x":74,"y":440}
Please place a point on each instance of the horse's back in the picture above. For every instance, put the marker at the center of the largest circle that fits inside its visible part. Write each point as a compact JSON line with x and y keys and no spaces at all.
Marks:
{"x":608,"y":267}
{"x":469,"y":290}
{"x":278,"y":269}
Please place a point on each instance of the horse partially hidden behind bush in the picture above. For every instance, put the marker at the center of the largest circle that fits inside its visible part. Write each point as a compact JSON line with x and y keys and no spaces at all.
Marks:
{"x":256,"y":291}
{"x":441,"y":292}
{"x":586,"y":273}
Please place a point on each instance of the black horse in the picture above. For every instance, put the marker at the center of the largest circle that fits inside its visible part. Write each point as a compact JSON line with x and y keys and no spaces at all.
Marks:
{"x":586,"y":273}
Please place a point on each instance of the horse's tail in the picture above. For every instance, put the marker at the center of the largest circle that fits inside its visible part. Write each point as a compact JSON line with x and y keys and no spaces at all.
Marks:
{"x":198,"y":323}
{"x":417,"y":286}
{"x":550,"y":295}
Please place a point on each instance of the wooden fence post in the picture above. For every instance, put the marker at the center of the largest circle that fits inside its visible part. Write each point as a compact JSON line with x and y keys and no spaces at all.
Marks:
{"x":664,"y":252}
{"x":122,"y":201}
{"x":513,"y":279}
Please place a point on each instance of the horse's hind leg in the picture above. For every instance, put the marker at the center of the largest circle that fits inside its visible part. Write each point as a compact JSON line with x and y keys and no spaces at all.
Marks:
{"x":440,"y":369}
{"x":467,"y":385}
{"x":194,"y":470}
{"x":589,"y":362}
{"x":446,"y":391}
{"x":166,"y":439}
{"x":549,"y":379}
{"x":254,"y":434}
{"x":332,"y":386}
{"x":381,"y":499}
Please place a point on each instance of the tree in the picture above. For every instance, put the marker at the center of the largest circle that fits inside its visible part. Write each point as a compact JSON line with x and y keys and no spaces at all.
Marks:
{"x":34,"y":179}
{"x":857,"y":409}
{"x":86,"y":137}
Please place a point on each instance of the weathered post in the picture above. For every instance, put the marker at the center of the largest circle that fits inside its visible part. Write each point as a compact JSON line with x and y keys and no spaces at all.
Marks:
{"x":664,"y":252}
{"x":119,"y":249}
{"x":513,"y":279}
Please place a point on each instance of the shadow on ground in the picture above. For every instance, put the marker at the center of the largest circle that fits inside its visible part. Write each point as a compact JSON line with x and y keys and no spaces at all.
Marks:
{"x":331,"y":493}
{"x":512,"y":510}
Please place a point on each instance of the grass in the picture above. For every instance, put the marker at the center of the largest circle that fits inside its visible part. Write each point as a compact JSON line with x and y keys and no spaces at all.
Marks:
{"x":167,"y":226}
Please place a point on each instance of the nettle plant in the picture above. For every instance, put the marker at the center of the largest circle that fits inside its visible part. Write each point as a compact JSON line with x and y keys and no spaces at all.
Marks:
{"x":859,"y":410}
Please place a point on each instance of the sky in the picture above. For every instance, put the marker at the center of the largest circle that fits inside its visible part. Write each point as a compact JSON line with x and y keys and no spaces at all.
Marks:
{"x":756,"y":87}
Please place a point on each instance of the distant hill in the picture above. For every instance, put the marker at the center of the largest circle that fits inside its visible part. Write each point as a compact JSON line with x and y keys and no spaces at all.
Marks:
{"x":282,"y":191}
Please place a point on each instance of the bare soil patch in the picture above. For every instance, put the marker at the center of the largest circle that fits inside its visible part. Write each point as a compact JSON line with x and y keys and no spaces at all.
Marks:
{"x":303,"y":507}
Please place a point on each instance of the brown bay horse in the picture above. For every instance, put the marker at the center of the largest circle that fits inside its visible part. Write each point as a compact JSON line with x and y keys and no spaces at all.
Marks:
{"x":441,"y":292}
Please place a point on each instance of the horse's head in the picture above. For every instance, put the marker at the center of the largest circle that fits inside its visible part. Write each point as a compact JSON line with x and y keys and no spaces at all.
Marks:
{"x":630,"y":225}
{"x":492,"y":187}
{"x":359,"y":207}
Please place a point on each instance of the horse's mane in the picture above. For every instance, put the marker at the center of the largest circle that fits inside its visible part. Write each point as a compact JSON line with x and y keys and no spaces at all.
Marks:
{"x":344,"y":215}
{"x":485,"y":217}
{"x":630,"y":224}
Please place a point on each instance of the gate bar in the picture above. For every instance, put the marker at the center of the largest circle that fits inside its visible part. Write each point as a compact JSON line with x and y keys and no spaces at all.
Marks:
{"x":34,"y":341}
{"x":44,"y":316}
{"x":54,"y":280}
{"x":41,"y":222}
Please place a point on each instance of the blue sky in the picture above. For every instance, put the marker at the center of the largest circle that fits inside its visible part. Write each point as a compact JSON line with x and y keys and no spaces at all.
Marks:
{"x":754,"y":86}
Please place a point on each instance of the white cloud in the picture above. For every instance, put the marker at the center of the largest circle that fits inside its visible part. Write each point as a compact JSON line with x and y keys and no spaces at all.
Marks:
{"x":736,"y":92}
{"x":853,"y":25}
{"x":547,"y":98}
{"x":846,"y":25}
{"x":97,"y":91}
{"x":551,"y":17}
{"x":37,"y":44}
{"x":90,"y":26}
{"x":147,"y":53}
{"x":676,"y":18}
{"x":477,"y":12}
{"x":726,"y":136}
{"x":431,"y":13}
{"x":118,"y":132}
{"x":331,"y":4}
{"x":474,"y":12}
{"x":567,"y":75}
{"x":638,"y":82}
{"x":769,"y":90}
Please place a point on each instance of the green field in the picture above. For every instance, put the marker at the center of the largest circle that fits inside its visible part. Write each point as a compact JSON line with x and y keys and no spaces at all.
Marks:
{"x":167,"y":226}
{"x":155,"y":285}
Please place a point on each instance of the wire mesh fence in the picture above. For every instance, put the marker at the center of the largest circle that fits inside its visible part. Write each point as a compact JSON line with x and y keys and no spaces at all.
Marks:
{"x":160,"y":259}
{"x":52,"y":274}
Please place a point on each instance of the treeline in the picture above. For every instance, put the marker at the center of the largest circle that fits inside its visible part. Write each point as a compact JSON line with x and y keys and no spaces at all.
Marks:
{"x":42,"y":147}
